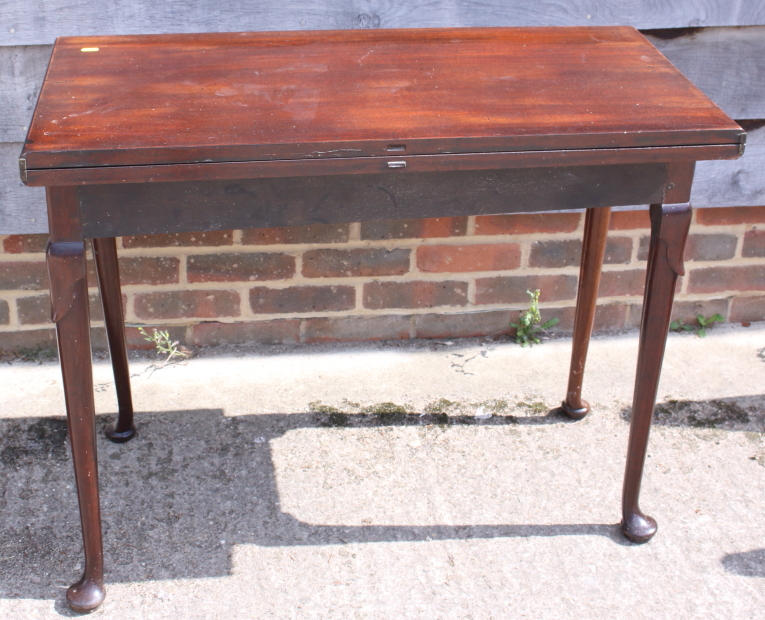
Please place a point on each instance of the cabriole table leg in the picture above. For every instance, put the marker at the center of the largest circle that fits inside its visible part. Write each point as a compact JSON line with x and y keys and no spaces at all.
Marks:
{"x":69,"y":298}
{"x":107,"y":268}
{"x":669,"y":230}
{"x":593,"y":248}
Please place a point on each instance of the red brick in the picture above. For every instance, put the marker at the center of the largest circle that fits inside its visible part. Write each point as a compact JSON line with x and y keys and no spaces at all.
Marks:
{"x":524,"y":223}
{"x":260,"y":332}
{"x":618,"y":251}
{"x":568,"y":252}
{"x":512,"y":289}
{"x":556,"y":253}
{"x":149,"y":270}
{"x":16,"y":244}
{"x":137,"y":341}
{"x":356,"y":328}
{"x":315,"y":233}
{"x":754,"y":244}
{"x":33,"y":310}
{"x":379,"y":295}
{"x":699,"y":247}
{"x":239,"y":267}
{"x":610,"y":317}
{"x":463,"y":258}
{"x":25,"y":276}
{"x":687,"y":311}
{"x":747,"y":309}
{"x":265,"y":300}
{"x":215,"y":238}
{"x":366,"y":262}
{"x":710,"y":247}
{"x":36,"y":310}
{"x":186,"y":304}
{"x":723,"y":216}
{"x":5,"y":312}
{"x":28,"y":339}
{"x":618,"y":283}
{"x":719,"y":279}
{"x":466,"y":325}
{"x":630,"y":220}
{"x":415,"y":229}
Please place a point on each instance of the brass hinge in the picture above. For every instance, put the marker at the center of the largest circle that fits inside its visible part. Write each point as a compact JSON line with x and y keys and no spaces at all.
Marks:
{"x":741,"y":144}
{"x":23,"y":169}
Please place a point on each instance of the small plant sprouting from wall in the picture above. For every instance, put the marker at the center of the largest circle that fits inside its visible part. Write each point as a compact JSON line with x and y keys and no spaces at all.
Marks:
{"x":530,"y":323}
{"x":704,"y":323}
{"x":163,"y":344}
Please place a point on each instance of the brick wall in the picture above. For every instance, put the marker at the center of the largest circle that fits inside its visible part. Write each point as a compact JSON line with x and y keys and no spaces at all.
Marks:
{"x":446,"y":277}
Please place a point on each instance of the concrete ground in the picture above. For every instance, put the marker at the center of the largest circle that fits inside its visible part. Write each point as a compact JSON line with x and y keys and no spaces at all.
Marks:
{"x":426,"y":480}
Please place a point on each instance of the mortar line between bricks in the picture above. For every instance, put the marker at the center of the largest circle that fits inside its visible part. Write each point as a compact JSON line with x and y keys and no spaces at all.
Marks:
{"x":244,"y":305}
{"x":628,"y":301}
{"x":13,"y":316}
{"x":365,"y":312}
{"x":525,"y":247}
{"x":440,"y":310}
{"x":636,"y":237}
{"x":293,"y":249}
{"x":471,"y":292}
{"x":470,"y":226}
{"x":236,"y":236}
{"x":413,"y":268}
{"x":129,"y":306}
{"x":354,"y":231}
{"x":359,"y":296}
{"x":183,"y":272}
{"x":409,"y":276}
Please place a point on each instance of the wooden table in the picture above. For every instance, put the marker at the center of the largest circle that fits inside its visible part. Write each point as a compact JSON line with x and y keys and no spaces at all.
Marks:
{"x":165,"y":134}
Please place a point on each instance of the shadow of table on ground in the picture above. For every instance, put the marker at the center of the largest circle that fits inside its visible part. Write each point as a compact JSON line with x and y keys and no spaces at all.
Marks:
{"x":180,"y":495}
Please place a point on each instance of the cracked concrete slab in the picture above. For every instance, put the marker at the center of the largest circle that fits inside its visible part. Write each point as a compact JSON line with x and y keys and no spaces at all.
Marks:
{"x":427,"y":479}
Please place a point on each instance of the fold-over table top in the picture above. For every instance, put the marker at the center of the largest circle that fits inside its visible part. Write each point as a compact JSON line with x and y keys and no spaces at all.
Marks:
{"x":233,"y":97}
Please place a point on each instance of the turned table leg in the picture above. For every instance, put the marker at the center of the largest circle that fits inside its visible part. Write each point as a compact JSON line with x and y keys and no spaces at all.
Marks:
{"x":593,"y":248}
{"x":107,"y":268}
{"x":69,"y":302}
{"x":669,"y":230}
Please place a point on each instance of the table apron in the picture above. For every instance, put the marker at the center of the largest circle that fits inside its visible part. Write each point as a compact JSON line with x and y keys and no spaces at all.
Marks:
{"x":189,"y":206}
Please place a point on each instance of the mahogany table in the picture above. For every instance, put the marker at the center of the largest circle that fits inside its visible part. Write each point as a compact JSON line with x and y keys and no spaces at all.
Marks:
{"x":178,"y":133}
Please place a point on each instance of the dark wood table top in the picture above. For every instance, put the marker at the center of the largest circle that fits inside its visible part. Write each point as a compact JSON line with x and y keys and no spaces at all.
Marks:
{"x":150,"y":101}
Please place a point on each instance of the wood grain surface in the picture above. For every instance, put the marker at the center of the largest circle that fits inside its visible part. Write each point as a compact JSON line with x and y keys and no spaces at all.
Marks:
{"x":254,"y":96}
{"x":29,"y":22}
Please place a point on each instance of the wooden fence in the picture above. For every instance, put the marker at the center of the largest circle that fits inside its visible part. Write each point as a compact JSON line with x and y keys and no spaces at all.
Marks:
{"x":718,"y":44}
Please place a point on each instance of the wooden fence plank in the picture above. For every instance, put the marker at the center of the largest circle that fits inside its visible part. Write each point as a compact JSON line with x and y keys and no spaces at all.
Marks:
{"x":21,"y":74}
{"x":22,"y":208}
{"x":37,"y":22}
{"x":733,"y":183}
{"x":728,"y":64}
